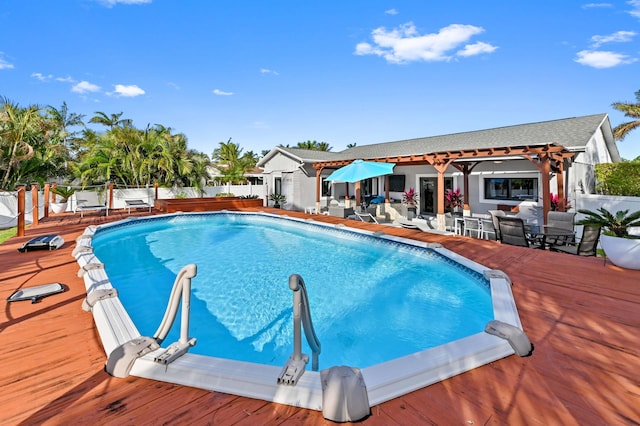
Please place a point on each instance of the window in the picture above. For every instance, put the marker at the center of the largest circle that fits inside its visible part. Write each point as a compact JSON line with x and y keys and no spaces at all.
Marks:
{"x":514,"y":189}
{"x":396,"y":183}
{"x":326,"y":188}
{"x":277,"y":185}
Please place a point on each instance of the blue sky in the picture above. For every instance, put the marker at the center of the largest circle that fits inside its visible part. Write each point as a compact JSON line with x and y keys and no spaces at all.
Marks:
{"x":279,"y":72}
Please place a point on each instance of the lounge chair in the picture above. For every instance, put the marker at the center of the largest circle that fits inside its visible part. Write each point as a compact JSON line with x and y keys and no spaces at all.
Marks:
{"x":586,"y":247}
{"x":366,"y":217}
{"x":137,"y":204}
{"x":513,"y":232}
{"x":88,"y":201}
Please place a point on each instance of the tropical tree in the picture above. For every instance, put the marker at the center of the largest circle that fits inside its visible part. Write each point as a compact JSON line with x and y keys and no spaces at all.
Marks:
{"x":630,"y":110}
{"x":314,"y":145}
{"x":232,"y":163}
{"x":110,"y":121}
{"x":21,"y":129}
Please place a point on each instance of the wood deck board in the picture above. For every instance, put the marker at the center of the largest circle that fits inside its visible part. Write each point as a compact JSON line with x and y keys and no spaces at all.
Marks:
{"x":583,"y":317}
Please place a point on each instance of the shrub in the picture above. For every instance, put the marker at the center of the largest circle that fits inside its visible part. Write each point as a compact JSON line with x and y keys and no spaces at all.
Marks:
{"x":619,"y":178}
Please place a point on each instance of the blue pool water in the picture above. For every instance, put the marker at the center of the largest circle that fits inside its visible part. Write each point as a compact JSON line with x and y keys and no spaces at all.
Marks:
{"x":372,"y":300}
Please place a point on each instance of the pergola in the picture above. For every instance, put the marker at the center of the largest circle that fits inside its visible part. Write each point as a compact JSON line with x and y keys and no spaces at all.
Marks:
{"x":548,"y":158}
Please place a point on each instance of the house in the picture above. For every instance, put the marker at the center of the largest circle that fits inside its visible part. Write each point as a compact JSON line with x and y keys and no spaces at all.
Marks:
{"x":505,"y":168}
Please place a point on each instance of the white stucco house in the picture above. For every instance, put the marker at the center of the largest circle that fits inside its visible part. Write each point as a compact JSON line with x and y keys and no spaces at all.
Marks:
{"x":495,"y":168}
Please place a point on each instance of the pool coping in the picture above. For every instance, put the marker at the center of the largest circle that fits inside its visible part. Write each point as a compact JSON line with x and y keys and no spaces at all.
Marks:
{"x":384,"y":381}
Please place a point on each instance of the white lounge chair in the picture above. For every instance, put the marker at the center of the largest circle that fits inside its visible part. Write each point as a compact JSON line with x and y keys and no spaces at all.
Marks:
{"x":137,"y":204}
{"x":88,"y":201}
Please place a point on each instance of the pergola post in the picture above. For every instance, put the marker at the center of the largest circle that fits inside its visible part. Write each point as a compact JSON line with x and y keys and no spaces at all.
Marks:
{"x":318,"y":188}
{"x":46,"y":199}
{"x":21,"y":188}
{"x":34,"y":204}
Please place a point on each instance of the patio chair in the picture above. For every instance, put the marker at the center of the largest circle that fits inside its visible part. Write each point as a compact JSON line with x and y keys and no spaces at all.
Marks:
{"x":586,"y":247}
{"x":449,"y":222}
{"x":489,"y":231}
{"x":495,"y":214}
{"x":562,"y":220}
{"x":366,"y":217}
{"x":88,"y":201}
{"x":137,"y":204}
{"x":512,"y":231}
{"x":472,"y":226}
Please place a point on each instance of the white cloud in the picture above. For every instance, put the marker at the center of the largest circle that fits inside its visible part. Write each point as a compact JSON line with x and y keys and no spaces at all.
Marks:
{"x":65,"y":79}
{"x":391,"y":12}
{"x":602,"y":59}
{"x":84,"y":87}
{"x":596,"y":5}
{"x":617,"y":37}
{"x":4,"y":65}
{"x":221,"y":93}
{"x":268,"y":71}
{"x":128,"y":91}
{"x":635,"y":8}
{"x":405,"y":44}
{"x":41,"y":77}
{"x":111,"y":3}
{"x":476,"y":49}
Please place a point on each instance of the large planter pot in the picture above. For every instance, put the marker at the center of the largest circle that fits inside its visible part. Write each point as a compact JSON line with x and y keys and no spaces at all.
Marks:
{"x":622,"y":252}
{"x":58,"y":207}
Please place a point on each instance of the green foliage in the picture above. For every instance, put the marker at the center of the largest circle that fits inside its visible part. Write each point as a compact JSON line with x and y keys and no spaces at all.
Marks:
{"x":64,"y":192}
{"x":232,"y":163}
{"x":5,"y":234}
{"x":619,"y":178}
{"x":314,"y":145}
{"x":278,"y":199}
{"x":613,"y":224}
{"x":249,"y":197}
{"x":225,"y":194}
{"x":631,"y":110}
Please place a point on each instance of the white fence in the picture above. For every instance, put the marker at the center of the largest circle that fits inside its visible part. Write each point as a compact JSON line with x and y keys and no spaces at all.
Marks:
{"x":9,"y":200}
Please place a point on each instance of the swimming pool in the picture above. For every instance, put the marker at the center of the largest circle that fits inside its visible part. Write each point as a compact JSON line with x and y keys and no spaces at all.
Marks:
{"x":385,"y":380}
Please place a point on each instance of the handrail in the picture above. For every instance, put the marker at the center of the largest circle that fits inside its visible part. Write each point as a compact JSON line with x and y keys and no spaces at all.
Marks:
{"x":182,"y":285}
{"x":121,"y":359}
{"x":294,"y":368}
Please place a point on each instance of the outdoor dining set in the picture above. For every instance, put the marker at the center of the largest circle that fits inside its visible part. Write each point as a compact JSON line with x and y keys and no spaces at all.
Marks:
{"x":557,"y":235}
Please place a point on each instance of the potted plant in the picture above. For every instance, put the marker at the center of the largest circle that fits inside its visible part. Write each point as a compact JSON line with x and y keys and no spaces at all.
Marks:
{"x":278,"y":199}
{"x":410,"y":203}
{"x":621,"y":248}
{"x":64,"y":192}
{"x":453,"y":199}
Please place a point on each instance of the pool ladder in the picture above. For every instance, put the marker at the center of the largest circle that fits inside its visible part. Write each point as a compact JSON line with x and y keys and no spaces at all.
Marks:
{"x":294,"y":367}
{"x":121,"y":359}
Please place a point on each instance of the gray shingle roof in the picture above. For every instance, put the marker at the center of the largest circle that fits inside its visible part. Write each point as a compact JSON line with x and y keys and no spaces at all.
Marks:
{"x":572,"y":133}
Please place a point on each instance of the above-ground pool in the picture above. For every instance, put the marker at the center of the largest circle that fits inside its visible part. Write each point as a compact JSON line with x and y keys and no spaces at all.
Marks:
{"x":423,"y":317}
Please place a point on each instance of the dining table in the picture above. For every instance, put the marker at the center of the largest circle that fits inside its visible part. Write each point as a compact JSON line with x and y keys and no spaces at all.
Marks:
{"x":542,"y":232}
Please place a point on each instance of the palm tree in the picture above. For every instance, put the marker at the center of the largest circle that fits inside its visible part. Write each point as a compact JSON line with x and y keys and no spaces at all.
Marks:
{"x":314,"y":145}
{"x":20,"y":130}
{"x":110,"y":121}
{"x":630,"y":110}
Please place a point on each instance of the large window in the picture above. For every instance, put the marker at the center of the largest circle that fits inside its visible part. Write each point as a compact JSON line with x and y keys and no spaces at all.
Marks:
{"x":514,"y":189}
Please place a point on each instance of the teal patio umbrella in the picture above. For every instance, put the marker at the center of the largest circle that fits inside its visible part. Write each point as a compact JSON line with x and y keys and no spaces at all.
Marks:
{"x":361,"y":170}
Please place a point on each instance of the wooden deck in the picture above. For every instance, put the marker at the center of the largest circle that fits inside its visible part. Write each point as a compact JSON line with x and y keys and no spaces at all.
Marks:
{"x":583,"y":317}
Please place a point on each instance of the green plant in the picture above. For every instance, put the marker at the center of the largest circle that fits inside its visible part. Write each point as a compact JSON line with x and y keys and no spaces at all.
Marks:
{"x":612,"y":224}
{"x":225,"y":194}
{"x":64,"y":192}
{"x":181,"y":195}
{"x":278,"y":199}
{"x":249,"y":197}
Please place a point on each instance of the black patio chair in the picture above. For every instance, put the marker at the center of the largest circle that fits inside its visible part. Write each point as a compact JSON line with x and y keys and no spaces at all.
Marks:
{"x":586,"y":247}
{"x":513,"y":232}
